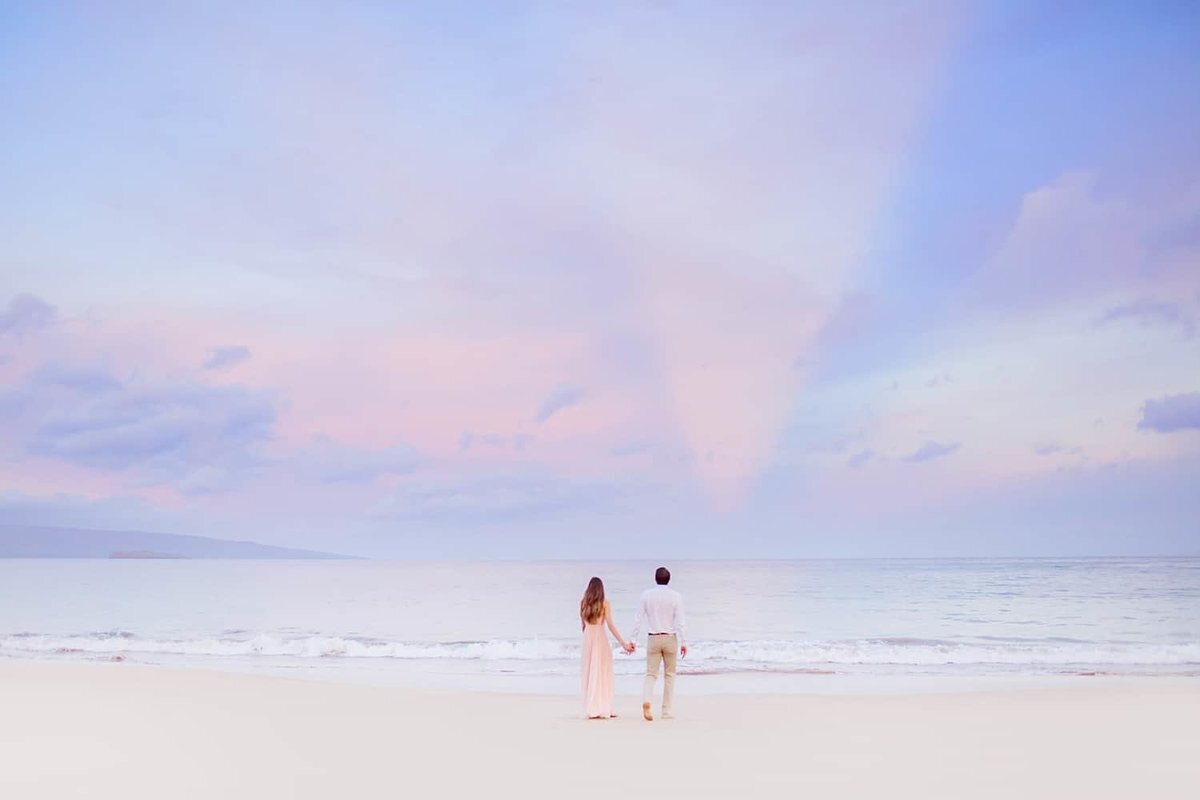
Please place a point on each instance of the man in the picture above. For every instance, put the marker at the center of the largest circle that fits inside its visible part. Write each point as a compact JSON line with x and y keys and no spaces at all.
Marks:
{"x":661,"y":610}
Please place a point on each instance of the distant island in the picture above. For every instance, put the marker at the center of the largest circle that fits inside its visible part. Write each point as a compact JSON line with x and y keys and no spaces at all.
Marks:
{"x":25,"y":541}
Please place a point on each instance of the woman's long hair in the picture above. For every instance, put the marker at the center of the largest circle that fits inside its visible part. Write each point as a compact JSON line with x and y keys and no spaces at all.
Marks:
{"x":591,"y":607}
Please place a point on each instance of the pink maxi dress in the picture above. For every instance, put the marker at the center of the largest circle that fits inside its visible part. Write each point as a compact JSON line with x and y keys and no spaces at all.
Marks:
{"x":597,"y":671}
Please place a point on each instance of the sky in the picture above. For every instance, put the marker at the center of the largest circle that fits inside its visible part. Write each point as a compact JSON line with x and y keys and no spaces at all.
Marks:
{"x":554,"y":280}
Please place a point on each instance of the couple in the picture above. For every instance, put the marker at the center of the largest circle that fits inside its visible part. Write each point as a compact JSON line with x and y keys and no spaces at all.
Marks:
{"x":661,"y":611}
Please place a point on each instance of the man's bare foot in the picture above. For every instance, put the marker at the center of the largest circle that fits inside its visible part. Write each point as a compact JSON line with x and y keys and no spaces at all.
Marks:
{"x":668,"y":715}
{"x":646,"y":712}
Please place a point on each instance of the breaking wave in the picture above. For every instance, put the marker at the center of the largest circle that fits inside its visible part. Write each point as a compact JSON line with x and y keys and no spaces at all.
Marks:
{"x":720,"y":656}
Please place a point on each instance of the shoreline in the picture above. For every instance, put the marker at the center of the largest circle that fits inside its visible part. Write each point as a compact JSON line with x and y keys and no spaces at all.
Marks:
{"x":133,"y":731}
{"x":461,"y":676}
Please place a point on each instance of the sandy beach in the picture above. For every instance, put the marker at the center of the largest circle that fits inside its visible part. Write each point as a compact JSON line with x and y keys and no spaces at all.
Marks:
{"x":124,"y":731}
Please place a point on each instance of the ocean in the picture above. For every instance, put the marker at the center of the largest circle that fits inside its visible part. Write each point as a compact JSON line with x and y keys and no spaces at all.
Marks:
{"x":779,"y":626}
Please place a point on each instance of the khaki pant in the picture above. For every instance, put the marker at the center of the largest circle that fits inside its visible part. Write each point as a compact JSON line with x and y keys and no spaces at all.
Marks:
{"x":661,"y":650}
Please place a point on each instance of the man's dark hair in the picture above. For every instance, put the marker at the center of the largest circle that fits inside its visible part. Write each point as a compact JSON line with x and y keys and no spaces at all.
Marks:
{"x":662,"y":576}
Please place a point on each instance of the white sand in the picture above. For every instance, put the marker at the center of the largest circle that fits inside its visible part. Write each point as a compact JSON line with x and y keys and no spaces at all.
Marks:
{"x":122,"y":731}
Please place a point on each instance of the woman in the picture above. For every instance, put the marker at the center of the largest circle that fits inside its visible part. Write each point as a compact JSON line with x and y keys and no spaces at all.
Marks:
{"x":594,"y":614}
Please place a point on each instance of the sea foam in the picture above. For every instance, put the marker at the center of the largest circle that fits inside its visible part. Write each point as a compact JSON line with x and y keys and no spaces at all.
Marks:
{"x":750,"y":655}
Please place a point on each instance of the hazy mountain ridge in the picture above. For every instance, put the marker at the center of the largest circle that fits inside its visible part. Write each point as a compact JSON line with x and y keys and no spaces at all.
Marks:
{"x":31,"y":541}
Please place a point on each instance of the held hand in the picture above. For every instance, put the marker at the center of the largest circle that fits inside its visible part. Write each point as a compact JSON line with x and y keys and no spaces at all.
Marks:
{"x":683,"y":650}
{"x":628,"y":647}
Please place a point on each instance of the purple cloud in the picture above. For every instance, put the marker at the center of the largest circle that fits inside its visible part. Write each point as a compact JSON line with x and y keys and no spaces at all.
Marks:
{"x":1151,"y":312}
{"x":859,"y":459}
{"x":72,"y":377}
{"x":199,"y":438}
{"x":1074,"y":237}
{"x":1176,"y":412}
{"x":136,"y":427}
{"x":562,"y":397}
{"x":26,"y":314}
{"x":222,"y":357}
{"x":931,"y":450}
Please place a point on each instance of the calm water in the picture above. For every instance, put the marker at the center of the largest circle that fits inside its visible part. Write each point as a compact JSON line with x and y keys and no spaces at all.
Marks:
{"x":514,"y":625}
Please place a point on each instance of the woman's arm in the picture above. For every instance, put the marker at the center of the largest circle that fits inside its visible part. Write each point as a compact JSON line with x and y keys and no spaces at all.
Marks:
{"x":612,"y":626}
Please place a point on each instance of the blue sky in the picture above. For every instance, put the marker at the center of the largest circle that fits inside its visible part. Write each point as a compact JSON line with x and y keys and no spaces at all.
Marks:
{"x":647,"y":280}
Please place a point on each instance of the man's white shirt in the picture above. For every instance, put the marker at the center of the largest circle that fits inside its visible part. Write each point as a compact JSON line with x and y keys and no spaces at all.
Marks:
{"x":660,"y":611}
